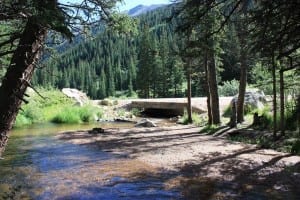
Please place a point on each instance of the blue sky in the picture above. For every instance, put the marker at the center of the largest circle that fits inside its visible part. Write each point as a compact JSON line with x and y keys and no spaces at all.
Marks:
{"x":132,"y":3}
{"x":128,"y":4}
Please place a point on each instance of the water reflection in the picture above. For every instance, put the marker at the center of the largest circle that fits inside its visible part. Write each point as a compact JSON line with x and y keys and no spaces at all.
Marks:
{"x":39,"y":166}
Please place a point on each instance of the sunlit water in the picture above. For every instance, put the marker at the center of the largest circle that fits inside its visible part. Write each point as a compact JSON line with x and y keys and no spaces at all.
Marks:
{"x":37,"y":165}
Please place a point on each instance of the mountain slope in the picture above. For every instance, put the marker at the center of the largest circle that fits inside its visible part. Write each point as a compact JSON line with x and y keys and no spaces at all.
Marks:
{"x":142,"y":9}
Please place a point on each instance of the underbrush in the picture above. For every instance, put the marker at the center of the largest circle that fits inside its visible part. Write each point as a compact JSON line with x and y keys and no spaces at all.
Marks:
{"x":54,"y":107}
{"x":198,"y":120}
{"x":290,"y":143}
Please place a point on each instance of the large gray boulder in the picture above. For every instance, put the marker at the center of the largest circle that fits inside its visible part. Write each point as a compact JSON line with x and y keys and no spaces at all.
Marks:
{"x":145,"y":123}
{"x":79,"y":97}
{"x":253,"y":100}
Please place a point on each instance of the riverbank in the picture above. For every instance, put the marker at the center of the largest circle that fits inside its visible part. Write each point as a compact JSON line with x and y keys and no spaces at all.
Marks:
{"x":200,"y":166}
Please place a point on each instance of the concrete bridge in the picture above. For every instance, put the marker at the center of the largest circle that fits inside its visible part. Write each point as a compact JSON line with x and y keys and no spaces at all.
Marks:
{"x":176,"y":106}
{"x":169,"y":106}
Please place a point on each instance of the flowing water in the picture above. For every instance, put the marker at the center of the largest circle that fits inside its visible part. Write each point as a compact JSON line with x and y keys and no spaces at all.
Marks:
{"x":37,"y":165}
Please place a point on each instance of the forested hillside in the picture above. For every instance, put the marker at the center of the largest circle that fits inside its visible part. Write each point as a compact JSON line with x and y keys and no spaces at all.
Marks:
{"x":147,"y":63}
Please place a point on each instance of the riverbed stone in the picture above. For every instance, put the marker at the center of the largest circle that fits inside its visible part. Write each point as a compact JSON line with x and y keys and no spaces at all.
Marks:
{"x":145,"y":123}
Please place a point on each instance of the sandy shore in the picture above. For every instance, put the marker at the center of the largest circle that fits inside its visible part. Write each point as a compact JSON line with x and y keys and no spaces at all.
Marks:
{"x":202,"y":166}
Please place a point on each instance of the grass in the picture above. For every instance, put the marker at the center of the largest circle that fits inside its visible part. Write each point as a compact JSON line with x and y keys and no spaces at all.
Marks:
{"x":56,"y":108}
{"x":210,"y":129}
{"x":198,"y":120}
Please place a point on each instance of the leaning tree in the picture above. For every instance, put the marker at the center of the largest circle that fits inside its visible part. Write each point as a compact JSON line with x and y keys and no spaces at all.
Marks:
{"x":24,"y":28}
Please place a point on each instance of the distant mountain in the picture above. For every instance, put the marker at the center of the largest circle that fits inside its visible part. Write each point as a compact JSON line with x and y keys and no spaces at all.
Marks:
{"x":141,"y":9}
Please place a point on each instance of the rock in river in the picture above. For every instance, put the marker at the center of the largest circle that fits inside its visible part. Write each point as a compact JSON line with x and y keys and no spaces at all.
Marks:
{"x":145,"y":123}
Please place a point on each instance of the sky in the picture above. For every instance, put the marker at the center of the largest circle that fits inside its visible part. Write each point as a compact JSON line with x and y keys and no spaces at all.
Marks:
{"x":132,"y":3}
{"x":128,"y":4}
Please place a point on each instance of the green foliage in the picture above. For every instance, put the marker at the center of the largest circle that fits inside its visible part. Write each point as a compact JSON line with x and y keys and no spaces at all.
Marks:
{"x":198,"y":120}
{"x":121,"y":112}
{"x":229,"y":88}
{"x":296,"y":147}
{"x":75,"y":114}
{"x":262,"y":77}
{"x":291,"y":122}
{"x":111,"y":61}
{"x":266,"y":118}
{"x":22,"y":121}
{"x":68,"y":116}
{"x":135,"y":111}
{"x":209,"y":129}
{"x":55,"y":107}
{"x":228,"y":111}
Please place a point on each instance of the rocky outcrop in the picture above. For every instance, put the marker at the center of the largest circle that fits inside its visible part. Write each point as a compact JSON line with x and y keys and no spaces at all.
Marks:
{"x":145,"y":123}
{"x":79,"y":97}
{"x":253,"y":100}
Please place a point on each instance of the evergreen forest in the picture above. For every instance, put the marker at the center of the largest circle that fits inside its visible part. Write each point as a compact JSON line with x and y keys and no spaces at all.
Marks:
{"x":121,"y":141}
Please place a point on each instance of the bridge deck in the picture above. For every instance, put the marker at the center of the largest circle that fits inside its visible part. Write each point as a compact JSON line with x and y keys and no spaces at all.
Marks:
{"x":167,"y":103}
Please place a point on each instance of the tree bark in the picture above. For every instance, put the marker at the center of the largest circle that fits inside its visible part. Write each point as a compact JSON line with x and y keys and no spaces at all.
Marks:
{"x":274,"y":97}
{"x":242,"y":88}
{"x":213,"y":89}
{"x":209,"y":113}
{"x":189,"y":94}
{"x":18,"y":76}
{"x":243,"y":76}
{"x":282,"y":110}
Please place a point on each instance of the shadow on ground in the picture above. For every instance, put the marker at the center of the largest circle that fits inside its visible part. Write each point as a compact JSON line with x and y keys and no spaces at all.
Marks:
{"x":199,"y":166}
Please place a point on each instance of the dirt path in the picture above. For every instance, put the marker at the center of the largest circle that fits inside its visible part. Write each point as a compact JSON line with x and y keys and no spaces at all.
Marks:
{"x":201,"y":166}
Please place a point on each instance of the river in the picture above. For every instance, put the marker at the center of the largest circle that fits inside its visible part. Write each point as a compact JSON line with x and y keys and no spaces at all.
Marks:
{"x":37,"y":165}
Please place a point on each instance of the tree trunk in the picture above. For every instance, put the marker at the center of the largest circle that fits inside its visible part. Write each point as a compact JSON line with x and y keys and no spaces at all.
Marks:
{"x":297,"y":113}
{"x":18,"y":76}
{"x":281,"y":82}
{"x":207,"y":90}
{"x":213,"y":89}
{"x":274,"y":97}
{"x":243,"y":77}
{"x":242,"y":88}
{"x":189,"y":94}
{"x":233,"y":118}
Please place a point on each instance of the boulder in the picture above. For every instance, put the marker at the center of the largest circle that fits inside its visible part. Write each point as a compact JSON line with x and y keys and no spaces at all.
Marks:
{"x":79,"y":97}
{"x":253,"y":100}
{"x":145,"y":123}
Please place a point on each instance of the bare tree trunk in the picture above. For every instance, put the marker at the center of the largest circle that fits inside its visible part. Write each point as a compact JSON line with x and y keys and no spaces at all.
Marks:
{"x":298,"y":114}
{"x":189,"y":94}
{"x":242,"y":88}
{"x":274,"y":97}
{"x":18,"y":76}
{"x":282,"y":110}
{"x":243,"y":77}
{"x":207,"y":90}
{"x":213,"y":89}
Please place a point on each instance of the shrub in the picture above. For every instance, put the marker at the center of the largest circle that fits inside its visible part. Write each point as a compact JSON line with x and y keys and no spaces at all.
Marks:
{"x":21,"y":120}
{"x":198,"y":120}
{"x":55,"y":107}
{"x":74,"y":114}
{"x":229,"y":88}
{"x":291,"y":122}
{"x":296,"y":147}
{"x":135,"y":111}
{"x":228,"y":111}
{"x":265,"y":118}
{"x":70,"y":115}
{"x":86,"y":113}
